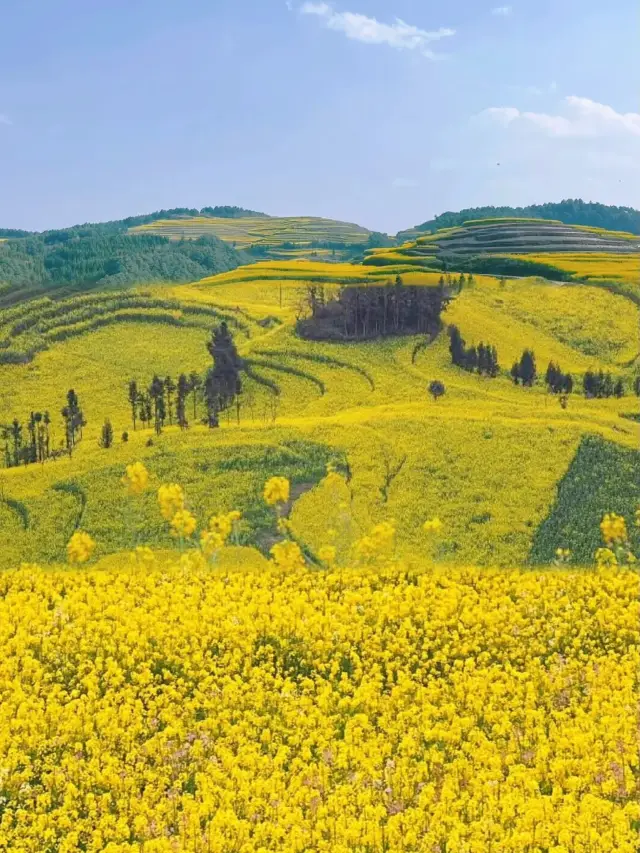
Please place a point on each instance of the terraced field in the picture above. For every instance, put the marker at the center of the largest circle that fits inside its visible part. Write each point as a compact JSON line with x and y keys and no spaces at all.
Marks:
{"x":266,"y":232}
{"x":514,"y":237}
{"x":486,"y":458}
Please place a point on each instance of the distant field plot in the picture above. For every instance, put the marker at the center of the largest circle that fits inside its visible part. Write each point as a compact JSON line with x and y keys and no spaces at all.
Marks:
{"x":601,"y":474}
{"x":596,"y":265}
{"x":562,"y":322}
{"x":259,"y":231}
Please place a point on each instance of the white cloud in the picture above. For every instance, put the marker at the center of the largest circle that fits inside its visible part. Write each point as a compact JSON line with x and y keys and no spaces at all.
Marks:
{"x":5,"y":119}
{"x":502,"y":11}
{"x":581,"y":117}
{"x":399,"y":35}
{"x":404,"y":184}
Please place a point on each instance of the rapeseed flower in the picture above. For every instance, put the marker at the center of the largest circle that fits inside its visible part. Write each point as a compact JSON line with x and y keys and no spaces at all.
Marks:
{"x":276,"y":491}
{"x":183,"y":524}
{"x":136,"y":478}
{"x":287,"y":556}
{"x":80,"y":547}
{"x":614,"y":529}
{"x":171,"y":499}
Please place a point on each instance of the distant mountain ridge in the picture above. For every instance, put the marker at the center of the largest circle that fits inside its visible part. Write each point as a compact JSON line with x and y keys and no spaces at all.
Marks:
{"x":569,"y":211}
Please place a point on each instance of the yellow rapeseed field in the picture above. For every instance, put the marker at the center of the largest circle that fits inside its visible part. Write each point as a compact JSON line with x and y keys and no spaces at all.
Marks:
{"x":163,"y":709}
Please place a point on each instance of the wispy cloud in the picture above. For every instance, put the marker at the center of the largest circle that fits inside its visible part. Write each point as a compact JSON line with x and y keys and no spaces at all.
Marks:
{"x":5,"y":119}
{"x":581,"y":117}
{"x":399,"y":35}
{"x":502,"y":11}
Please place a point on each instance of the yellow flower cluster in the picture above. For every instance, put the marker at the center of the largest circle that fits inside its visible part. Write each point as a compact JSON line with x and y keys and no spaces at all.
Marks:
{"x":176,"y":711}
{"x":378,"y":543}
{"x":276,"y":491}
{"x":80,"y":547}
{"x":220,"y":529}
{"x":287,"y":556}
{"x":171,"y":500}
{"x":614,"y":529}
{"x":183,"y":524}
{"x":136,"y":478}
{"x":433,"y":525}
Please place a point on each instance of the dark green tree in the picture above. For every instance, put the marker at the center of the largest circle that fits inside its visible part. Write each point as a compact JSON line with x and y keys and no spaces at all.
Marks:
{"x":134,"y":399}
{"x":222,"y":383}
{"x":527,"y":368}
{"x":436,"y":389}
{"x":106,"y":436}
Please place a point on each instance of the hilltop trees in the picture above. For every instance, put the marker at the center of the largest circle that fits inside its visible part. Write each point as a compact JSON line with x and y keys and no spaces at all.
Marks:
{"x":361,"y":313}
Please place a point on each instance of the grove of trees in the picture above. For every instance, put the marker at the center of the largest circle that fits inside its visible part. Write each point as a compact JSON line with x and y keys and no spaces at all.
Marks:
{"x":364,"y":312}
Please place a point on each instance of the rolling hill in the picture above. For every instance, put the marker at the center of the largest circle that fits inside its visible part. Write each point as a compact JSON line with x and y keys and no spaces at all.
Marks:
{"x":269,"y":237}
{"x":569,"y":212}
{"x":488,"y":458}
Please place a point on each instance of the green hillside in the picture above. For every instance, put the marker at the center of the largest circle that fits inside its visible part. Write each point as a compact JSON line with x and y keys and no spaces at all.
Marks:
{"x":105,"y":255}
{"x":569,"y":211}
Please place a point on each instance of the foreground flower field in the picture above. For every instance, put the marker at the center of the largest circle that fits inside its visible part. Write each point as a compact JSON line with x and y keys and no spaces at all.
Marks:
{"x":173,"y":708}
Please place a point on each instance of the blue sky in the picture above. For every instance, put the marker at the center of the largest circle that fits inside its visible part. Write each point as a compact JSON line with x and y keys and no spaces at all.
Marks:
{"x":382,"y":112}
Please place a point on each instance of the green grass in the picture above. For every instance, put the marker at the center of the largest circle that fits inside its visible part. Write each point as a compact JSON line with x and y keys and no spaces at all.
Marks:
{"x":603,"y":477}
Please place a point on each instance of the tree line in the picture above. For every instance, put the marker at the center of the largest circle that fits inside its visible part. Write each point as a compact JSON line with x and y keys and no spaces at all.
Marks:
{"x":483,"y":358}
{"x":570,"y":211}
{"x":165,"y":401}
{"x":30,"y":442}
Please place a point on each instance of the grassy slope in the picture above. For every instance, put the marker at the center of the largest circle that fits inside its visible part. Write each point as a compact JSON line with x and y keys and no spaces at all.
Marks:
{"x":487,"y":458}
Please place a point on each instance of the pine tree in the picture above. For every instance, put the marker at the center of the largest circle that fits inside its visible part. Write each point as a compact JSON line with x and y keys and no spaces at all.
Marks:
{"x":494,"y":362}
{"x":195,"y":383}
{"x":483,"y":363}
{"x":588,"y":384}
{"x":106,"y":436}
{"x":169,"y":387}
{"x":223,"y":383}
{"x":515,"y":372}
{"x":134,"y":396}
{"x":528,"y":368}
{"x":618,"y":389}
{"x":73,"y":418}
{"x":156,"y":393}
{"x":456,"y":346}
{"x":181,"y":404}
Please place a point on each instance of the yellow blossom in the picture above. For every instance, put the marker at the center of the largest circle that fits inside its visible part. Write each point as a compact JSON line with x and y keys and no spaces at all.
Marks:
{"x":613,"y":528}
{"x":171,"y":500}
{"x":136,"y":478}
{"x":80,"y":547}
{"x":183,"y":524}
{"x":287,"y":555}
{"x":327,"y":554}
{"x":433,"y":525}
{"x":276,"y":491}
{"x":606,"y":558}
